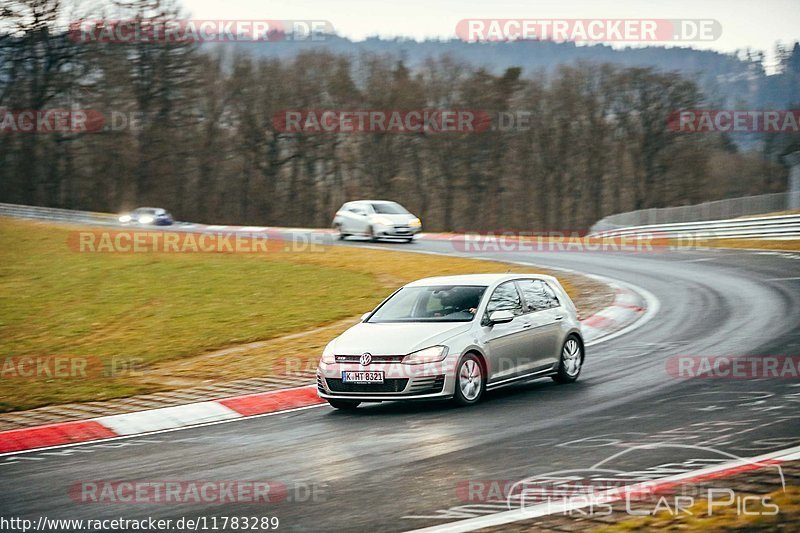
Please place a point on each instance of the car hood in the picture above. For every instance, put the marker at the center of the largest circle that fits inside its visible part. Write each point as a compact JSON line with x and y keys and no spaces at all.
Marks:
{"x":395,"y":338}
{"x":404,"y":218}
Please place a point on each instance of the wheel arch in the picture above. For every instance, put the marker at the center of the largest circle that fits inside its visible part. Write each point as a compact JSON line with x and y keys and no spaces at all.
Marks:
{"x":473,"y":350}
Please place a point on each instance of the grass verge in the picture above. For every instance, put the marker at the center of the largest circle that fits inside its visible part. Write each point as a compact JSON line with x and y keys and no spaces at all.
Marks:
{"x":757,"y":244}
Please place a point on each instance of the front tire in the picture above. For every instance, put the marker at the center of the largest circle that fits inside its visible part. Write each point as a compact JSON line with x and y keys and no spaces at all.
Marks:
{"x":470,"y":381}
{"x":372,"y":236}
{"x":344,"y":404}
{"x":571,"y":362}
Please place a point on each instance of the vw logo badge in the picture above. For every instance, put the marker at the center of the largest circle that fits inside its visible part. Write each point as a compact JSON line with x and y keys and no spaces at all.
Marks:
{"x":366,"y":359}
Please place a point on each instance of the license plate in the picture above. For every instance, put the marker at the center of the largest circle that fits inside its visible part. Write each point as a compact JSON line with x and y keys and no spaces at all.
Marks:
{"x":362,"y":377}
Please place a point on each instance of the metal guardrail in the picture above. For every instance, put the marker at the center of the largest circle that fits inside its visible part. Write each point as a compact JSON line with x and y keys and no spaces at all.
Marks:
{"x":775,"y":227}
{"x":707,"y":211}
{"x":56,"y":214}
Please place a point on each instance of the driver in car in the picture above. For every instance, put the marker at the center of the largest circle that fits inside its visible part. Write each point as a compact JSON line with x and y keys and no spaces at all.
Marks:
{"x":458,"y":305}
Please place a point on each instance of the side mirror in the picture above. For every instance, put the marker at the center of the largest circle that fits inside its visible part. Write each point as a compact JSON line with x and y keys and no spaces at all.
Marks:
{"x":500,"y":317}
{"x":365,"y":315}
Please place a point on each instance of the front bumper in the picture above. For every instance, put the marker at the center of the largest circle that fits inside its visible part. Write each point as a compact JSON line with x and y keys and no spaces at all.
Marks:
{"x":401,"y":382}
{"x":398,"y":230}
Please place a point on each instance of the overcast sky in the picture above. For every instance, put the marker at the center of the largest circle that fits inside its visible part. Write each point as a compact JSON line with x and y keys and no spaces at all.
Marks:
{"x":745,"y":23}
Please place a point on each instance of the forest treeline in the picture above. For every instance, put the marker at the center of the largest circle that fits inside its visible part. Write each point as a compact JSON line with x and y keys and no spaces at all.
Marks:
{"x":191,"y":129}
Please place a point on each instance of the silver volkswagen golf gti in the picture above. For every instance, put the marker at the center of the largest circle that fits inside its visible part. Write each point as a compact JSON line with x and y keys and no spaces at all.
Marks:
{"x":455,"y":337}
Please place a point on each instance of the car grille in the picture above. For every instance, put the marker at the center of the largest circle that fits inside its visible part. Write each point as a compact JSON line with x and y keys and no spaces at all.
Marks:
{"x":375,"y":358}
{"x":429,"y":385}
{"x":389,"y":385}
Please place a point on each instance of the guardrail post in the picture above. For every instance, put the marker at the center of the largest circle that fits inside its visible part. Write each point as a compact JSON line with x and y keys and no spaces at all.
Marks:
{"x":793,"y":160}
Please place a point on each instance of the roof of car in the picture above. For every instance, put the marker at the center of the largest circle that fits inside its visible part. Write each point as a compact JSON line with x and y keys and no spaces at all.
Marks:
{"x":473,"y":279}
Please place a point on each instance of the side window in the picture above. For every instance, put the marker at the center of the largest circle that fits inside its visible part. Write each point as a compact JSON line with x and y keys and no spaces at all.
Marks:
{"x":538,"y":295}
{"x":551,"y":294}
{"x":505,"y":298}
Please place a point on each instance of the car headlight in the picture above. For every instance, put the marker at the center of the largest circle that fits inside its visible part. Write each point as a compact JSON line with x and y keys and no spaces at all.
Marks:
{"x":433,"y":354}
{"x":327,"y":354}
{"x":147,"y":219}
{"x":415,"y":223}
{"x":382,"y":221}
{"x":125,"y":218}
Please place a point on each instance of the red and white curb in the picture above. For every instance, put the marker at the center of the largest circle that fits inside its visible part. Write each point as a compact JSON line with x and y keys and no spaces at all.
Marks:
{"x":629,"y":307}
{"x":726,"y":469}
{"x":165,"y":418}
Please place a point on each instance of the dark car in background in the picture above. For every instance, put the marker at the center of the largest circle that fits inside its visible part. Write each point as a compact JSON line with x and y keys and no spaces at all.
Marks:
{"x":148,"y":216}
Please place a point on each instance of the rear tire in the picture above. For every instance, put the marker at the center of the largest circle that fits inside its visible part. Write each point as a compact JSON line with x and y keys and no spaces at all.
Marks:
{"x":372,"y":236}
{"x":344,"y":404}
{"x":470,"y":381}
{"x":571,"y":361}
{"x":342,"y":235}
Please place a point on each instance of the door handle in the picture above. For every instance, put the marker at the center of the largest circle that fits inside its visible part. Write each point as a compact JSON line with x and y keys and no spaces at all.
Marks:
{"x":526,"y":325}
{"x":559,"y":317}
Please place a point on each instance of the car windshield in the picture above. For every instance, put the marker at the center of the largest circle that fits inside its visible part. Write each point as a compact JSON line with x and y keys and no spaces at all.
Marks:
{"x":441,"y":303}
{"x":389,"y":208}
